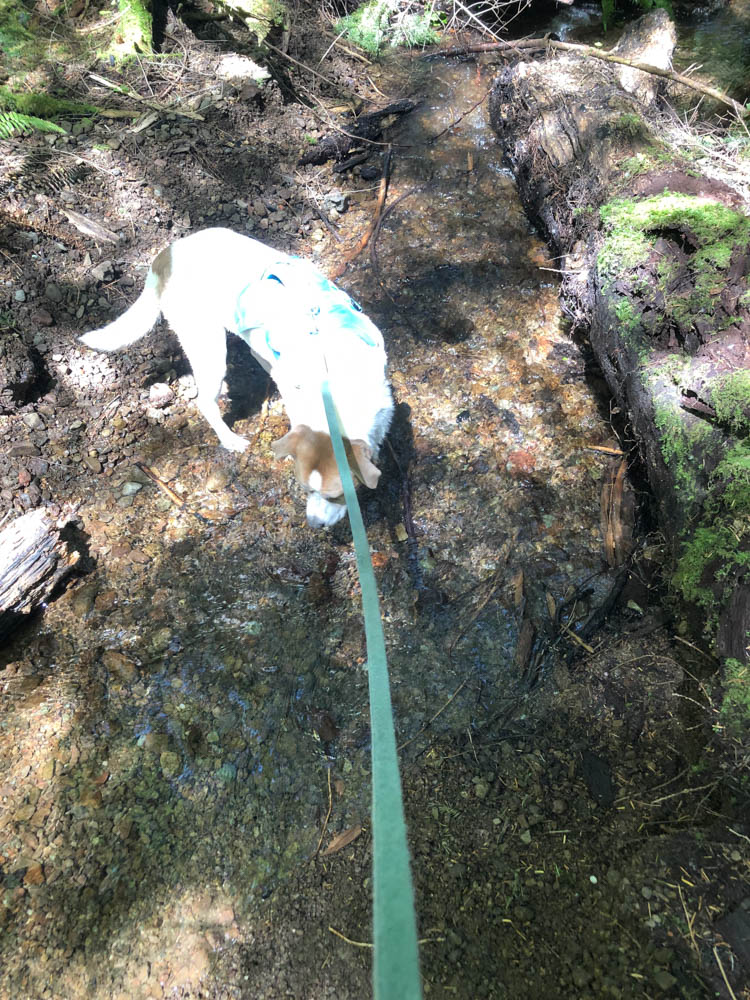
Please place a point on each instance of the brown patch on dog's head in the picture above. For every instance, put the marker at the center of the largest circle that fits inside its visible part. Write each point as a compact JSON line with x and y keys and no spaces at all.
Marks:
{"x":315,"y":464}
{"x":162,"y":269}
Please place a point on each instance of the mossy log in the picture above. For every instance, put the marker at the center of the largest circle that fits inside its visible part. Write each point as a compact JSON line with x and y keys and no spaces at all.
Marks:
{"x":37,"y":552}
{"x":656,"y":264}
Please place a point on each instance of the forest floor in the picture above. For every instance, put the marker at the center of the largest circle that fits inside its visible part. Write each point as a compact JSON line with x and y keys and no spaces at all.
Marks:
{"x":181,"y":728}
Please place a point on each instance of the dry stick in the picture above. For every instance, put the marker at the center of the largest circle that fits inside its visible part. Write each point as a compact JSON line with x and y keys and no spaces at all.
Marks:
{"x":589,"y":50}
{"x":340,"y":268}
{"x":732,"y":994}
{"x":328,"y":815}
{"x":155,"y":105}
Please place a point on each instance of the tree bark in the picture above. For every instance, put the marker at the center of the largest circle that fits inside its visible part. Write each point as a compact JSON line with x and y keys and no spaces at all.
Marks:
{"x":656,"y":263}
{"x":36,"y":555}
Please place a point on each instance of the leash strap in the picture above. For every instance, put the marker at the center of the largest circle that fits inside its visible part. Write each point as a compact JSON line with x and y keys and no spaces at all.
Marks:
{"x":396,"y":964}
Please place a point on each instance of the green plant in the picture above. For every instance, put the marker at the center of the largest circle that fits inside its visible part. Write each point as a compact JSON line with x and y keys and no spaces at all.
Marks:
{"x":12,"y":123}
{"x":735,"y":707}
{"x":381,"y":23}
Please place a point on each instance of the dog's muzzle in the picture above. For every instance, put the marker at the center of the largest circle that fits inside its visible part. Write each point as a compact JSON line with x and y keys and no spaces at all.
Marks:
{"x":322,"y":513}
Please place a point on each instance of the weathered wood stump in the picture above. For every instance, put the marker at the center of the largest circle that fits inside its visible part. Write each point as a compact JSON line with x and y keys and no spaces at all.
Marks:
{"x":35,"y":557}
{"x":656,"y":260}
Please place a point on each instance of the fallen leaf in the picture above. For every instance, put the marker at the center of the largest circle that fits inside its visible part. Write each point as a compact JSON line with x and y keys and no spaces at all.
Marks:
{"x":342,"y":839}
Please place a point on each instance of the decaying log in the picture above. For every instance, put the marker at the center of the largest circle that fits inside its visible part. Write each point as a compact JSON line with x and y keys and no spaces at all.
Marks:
{"x":656,"y":263}
{"x":36,"y":555}
{"x":366,"y":129}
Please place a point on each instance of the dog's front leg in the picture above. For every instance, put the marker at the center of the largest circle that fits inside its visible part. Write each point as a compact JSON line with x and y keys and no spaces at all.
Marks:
{"x":208,"y":359}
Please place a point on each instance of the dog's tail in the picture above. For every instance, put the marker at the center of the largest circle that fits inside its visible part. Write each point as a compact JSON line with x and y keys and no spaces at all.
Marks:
{"x":132,"y":325}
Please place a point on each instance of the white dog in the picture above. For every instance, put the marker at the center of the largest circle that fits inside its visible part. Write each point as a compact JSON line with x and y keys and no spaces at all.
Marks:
{"x":299,"y":326}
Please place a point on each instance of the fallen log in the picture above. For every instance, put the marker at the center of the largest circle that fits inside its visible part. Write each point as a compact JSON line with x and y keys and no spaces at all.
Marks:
{"x":37,"y":553}
{"x":367,"y":129}
{"x":656,"y":265}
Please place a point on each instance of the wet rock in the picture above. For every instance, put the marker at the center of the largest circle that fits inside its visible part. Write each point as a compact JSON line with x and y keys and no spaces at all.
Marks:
{"x":120,"y":665}
{"x":34,"y":875}
{"x":161,"y":640}
{"x":219,"y":479}
{"x":170,"y":763}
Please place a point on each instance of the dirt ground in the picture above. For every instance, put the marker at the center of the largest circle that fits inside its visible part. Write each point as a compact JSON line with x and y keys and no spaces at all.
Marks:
{"x":574,"y":830}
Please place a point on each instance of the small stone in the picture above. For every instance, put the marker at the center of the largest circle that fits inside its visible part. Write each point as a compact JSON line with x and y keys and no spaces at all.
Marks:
{"x":664,"y":980}
{"x":91,"y":798}
{"x":53,"y":292}
{"x":102,"y":271}
{"x":33,"y":421}
{"x":227,"y":772}
{"x":160,"y":395}
{"x":20,"y":295}
{"x":170,"y":763}
{"x":160,"y":640}
{"x":24,"y":451}
{"x":120,"y":665}
{"x":481,"y":788}
{"x":525,"y":836}
{"x":93,"y":463}
{"x":130,"y":489}
{"x":34,"y":875}
{"x":42,"y":318}
{"x":217,"y":480}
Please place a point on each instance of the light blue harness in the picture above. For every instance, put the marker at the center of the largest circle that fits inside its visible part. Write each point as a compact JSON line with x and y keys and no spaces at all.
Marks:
{"x":273,"y":320}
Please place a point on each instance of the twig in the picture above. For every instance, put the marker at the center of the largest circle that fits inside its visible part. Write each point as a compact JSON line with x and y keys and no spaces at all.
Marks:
{"x":732,"y":994}
{"x":167,"y":109}
{"x":690,"y":921}
{"x":309,"y":69}
{"x":382,"y":193}
{"x":328,"y":814}
{"x":357,"y":944}
{"x":455,"y":122}
{"x":429,"y":722}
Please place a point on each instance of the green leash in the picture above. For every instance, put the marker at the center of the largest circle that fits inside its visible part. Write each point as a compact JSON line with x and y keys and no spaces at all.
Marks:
{"x":396,"y":966}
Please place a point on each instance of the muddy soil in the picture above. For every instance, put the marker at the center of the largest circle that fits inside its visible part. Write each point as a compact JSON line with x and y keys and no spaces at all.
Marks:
{"x":177,"y":726}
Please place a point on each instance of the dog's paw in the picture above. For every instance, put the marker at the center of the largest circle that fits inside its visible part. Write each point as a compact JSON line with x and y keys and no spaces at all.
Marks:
{"x":233,"y":442}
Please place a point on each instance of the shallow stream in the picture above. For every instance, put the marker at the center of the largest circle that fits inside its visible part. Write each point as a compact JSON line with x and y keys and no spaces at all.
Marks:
{"x":204,"y":700}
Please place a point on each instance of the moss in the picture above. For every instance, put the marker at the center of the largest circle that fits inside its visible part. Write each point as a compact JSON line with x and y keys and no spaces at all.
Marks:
{"x":631,"y":226}
{"x":40,"y":105}
{"x":719,"y":550}
{"x":653,"y":157}
{"x":134,"y":32}
{"x":686,"y":285}
{"x":678,"y":440}
{"x":735,"y":707}
{"x":730,"y":397}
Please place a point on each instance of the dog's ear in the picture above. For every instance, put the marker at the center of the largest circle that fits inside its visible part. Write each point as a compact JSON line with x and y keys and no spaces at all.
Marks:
{"x":364,"y":469}
{"x":288,"y":444}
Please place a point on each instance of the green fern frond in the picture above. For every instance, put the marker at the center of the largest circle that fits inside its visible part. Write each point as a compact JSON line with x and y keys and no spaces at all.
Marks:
{"x":12,"y":123}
